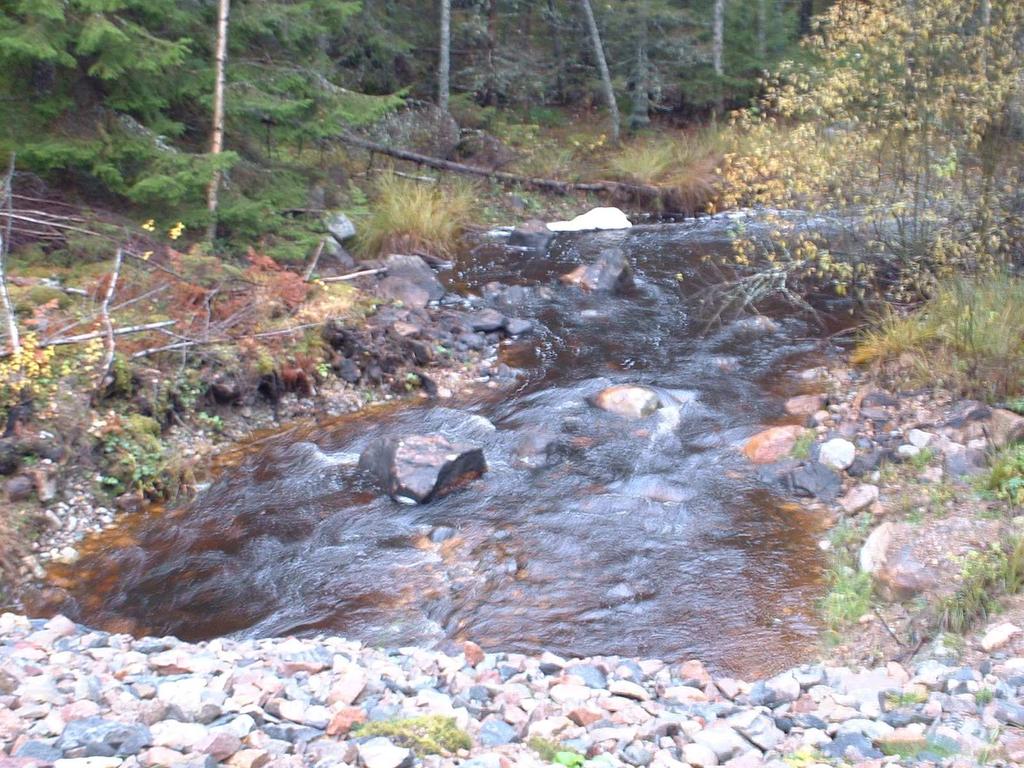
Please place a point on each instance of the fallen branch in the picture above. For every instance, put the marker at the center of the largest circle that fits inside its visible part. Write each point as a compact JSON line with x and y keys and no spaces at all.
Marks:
{"x":353,"y":275}
{"x":314,"y":261}
{"x":186,"y":343}
{"x":108,"y":327}
{"x":79,"y":338}
{"x":641,"y":191}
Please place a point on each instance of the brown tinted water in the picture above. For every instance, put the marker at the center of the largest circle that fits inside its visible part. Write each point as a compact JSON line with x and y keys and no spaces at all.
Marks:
{"x":649,"y":538}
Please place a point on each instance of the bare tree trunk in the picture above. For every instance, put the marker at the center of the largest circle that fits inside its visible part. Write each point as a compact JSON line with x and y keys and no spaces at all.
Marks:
{"x":602,"y":67}
{"x":717,"y":48}
{"x":217,"y":141}
{"x":639,"y":118}
{"x":5,"y":243}
{"x":444,"y":65}
{"x":556,"y":42}
{"x":762,"y":31}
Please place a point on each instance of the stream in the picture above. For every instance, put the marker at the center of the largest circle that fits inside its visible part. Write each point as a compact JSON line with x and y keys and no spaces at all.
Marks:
{"x":589,"y":534}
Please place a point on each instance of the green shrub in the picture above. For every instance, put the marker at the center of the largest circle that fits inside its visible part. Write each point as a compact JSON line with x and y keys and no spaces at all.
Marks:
{"x":848,"y":598}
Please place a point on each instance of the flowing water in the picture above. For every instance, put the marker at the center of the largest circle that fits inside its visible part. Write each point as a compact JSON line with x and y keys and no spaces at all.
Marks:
{"x":641,"y":538}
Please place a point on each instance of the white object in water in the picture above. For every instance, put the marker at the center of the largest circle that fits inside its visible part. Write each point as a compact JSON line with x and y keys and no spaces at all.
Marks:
{"x":596,"y":218}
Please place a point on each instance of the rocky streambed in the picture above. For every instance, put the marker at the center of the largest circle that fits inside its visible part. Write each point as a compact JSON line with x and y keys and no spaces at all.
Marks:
{"x":78,"y":698}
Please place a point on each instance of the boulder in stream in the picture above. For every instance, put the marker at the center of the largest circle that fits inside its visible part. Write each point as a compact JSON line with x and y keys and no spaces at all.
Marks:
{"x":532,"y":235}
{"x":420,"y":468}
{"x":608,"y":272}
{"x":628,"y":400}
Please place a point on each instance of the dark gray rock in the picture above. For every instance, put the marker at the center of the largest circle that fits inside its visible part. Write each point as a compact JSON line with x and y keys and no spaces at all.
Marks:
{"x":815,"y":480}
{"x":609,"y":272}
{"x":487,"y":320}
{"x":9,"y":457}
{"x":39,"y":752}
{"x":1009,"y":712}
{"x":420,"y":468}
{"x":532,"y":234}
{"x":99,"y":737}
{"x":851,"y":746}
{"x":495,"y":732}
{"x":591,"y":676}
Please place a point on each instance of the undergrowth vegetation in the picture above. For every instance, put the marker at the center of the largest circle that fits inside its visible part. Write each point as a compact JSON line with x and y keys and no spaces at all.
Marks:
{"x":985,"y":577}
{"x":849,"y":589}
{"x":683,"y":167}
{"x":425,"y":735}
{"x":968,"y":337}
{"x":1005,"y":478}
{"x":413,"y":216}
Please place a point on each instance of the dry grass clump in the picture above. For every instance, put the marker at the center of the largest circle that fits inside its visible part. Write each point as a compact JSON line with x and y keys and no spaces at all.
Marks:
{"x":969,"y":337}
{"x":408,"y":216}
{"x":684,"y":170}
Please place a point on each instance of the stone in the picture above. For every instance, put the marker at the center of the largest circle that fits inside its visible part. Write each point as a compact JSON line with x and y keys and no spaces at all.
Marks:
{"x":628,"y":689}
{"x":1005,"y":428}
{"x":250,"y":758}
{"x":19,"y":488}
{"x":609,"y":272}
{"x":815,"y":480}
{"x":772,"y":444}
{"x":595,"y":218}
{"x":699,"y":755}
{"x":627,"y":400}
{"x":919,"y":438}
{"x":495,"y":733}
{"x":837,"y":453}
{"x":515,"y":326}
{"x":859,"y":497}
{"x":875,"y":549}
{"x":88,"y":762}
{"x":340,"y":226}
{"x":379,"y":752}
{"x":774,"y":691}
{"x":998,"y":636}
{"x":178,"y":736}
{"x":805,"y":405}
{"x":220,"y":745}
{"x":533,"y":235}
{"x":420,"y":468}
{"x":724,"y":742}
{"x":99,"y":737}
{"x":1009,"y":712}
{"x":486,"y":321}
{"x":417,"y":272}
{"x":405,"y":291}
{"x":758,"y":728}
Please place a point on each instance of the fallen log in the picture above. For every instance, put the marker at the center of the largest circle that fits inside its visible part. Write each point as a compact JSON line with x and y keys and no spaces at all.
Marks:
{"x":622,"y":189}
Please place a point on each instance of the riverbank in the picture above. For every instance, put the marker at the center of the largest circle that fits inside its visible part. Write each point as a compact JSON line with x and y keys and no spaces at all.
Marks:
{"x":78,"y":698}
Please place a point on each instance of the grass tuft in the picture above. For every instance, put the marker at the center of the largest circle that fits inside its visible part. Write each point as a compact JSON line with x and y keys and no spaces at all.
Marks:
{"x":1005,"y":478}
{"x":426,"y":735}
{"x":986,"y":576}
{"x":969,"y":336}
{"x":409,"y":216}
{"x":685,"y":169}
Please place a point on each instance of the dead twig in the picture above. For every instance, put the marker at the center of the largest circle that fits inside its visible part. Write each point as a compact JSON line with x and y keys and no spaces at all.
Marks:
{"x":314,"y":261}
{"x":79,"y":338}
{"x":186,"y":343}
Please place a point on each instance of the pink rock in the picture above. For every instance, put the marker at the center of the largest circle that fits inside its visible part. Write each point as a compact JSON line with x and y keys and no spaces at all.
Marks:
{"x":773,"y":444}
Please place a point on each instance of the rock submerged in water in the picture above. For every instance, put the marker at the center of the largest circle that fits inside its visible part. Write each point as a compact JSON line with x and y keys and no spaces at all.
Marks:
{"x":627,"y":400}
{"x":608,"y":272}
{"x":772,"y":444}
{"x":421,"y":468}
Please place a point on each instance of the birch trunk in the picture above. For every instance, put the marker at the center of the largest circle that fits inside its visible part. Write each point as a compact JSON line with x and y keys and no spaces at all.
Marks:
{"x":217,"y":140}
{"x":717,"y":48}
{"x":444,"y":65}
{"x":602,"y":67}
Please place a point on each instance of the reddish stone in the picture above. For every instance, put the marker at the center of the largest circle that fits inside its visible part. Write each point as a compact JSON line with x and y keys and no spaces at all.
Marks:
{"x":473,"y":652}
{"x":344,"y":721}
{"x":585,"y":716}
{"x":773,"y":444}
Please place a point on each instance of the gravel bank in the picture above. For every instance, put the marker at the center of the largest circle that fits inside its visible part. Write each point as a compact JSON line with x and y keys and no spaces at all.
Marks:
{"x":76,"y":698}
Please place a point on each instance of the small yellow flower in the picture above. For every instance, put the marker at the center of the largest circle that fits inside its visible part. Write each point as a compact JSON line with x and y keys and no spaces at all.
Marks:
{"x":146,"y":256}
{"x":175,"y":232}
{"x":149,"y":226}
